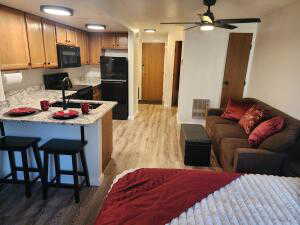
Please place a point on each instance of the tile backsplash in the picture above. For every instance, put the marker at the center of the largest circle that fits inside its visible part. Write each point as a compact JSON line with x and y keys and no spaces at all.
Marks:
{"x":34,"y":77}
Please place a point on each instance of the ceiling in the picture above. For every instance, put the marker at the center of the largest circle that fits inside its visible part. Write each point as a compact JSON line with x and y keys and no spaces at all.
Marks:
{"x":119,"y":15}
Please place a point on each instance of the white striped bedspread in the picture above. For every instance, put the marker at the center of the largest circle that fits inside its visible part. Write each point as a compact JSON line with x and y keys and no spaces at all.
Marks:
{"x":248,"y":200}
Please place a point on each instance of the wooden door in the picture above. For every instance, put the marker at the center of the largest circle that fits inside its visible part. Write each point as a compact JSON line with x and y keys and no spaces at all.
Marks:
{"x":35,"y":41}
{"x":14,"y":53}
{"x":153,"y":71}
{"x":61,"y":34}
{"x":238,"y":53}
{"x":80,"y":44}
{"x":50,"y":44}
{"x":176,"y":72}
{"x":122,"y":40}
{"x":71,"y":37}
{"x":107,"y":139}
{"x":95,"y":48}
{"x":109,"y":40}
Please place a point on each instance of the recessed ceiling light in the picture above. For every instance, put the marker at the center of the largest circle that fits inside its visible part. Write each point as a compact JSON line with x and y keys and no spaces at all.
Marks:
{"x":150,"y":30}
{"x":207,"y":27}
{"x":95,"y":26}
{"x":56,"y":10}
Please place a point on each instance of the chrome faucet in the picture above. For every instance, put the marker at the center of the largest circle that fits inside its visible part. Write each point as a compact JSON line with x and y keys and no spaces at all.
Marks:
{"x":66,"y":83}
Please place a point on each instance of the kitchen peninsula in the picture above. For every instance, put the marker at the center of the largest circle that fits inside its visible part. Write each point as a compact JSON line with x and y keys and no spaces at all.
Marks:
{"x":96,"y":128}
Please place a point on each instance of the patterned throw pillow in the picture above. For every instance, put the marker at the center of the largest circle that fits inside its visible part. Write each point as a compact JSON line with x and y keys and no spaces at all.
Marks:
{"x":265,"y":130}
{"x":251,"y":118}
{"x":235,"y":110}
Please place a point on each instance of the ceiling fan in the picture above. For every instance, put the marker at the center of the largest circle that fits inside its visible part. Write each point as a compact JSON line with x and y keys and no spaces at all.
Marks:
{"x":208,"y":21}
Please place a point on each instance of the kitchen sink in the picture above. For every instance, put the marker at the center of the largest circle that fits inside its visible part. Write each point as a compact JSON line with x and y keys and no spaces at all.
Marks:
{"x":75,"y":105}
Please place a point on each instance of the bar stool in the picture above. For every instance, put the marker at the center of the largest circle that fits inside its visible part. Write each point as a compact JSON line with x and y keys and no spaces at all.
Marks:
{"x":57,"y":147}
{"x":12,"y":144}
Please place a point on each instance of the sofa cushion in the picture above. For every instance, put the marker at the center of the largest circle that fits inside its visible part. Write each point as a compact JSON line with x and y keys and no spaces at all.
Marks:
{"x":235,"y":110}
{"x":265,"y":130}
{"x":252,"y":118}
{"x":211,"y":122}
{"x":229,"y":131}
{"x":227,"y":151}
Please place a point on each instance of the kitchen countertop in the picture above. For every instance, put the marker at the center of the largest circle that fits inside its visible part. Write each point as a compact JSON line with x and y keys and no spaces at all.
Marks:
{"x":32,"y":98}
{"x":94,"y":81}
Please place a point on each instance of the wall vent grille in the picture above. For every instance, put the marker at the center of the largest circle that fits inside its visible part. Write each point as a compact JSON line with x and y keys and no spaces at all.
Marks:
{"x":200,"y":107}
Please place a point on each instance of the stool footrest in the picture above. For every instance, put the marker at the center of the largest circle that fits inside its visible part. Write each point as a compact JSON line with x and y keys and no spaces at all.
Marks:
{"x":29,"y":169}
{"x":68,"y":172}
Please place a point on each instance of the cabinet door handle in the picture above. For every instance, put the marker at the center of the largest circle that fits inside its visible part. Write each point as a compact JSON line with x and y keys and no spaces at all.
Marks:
{"x":48,"y":63}
{"x":29,"y":64}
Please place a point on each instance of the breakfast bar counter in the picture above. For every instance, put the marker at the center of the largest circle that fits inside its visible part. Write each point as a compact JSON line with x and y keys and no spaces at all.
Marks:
{"x":95,"y":128}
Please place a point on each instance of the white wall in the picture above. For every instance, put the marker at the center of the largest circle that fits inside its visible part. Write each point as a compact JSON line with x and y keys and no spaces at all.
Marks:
{"x":202,"y":70}
{"x":275,"y":76}
{"x":169,"y":66}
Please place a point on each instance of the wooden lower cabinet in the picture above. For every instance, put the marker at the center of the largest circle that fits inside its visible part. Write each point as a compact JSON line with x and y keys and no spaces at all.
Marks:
{"x":14,"y":53}
{"x":107,"y":139}
{"x":50,"y":44}
{"x":96,"y":93}
{"x":35,"y":41}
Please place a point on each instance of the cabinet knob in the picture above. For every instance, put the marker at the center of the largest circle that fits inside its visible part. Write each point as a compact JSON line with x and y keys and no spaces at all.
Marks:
{"x":48,"y":63}
{"x":29,"y":64}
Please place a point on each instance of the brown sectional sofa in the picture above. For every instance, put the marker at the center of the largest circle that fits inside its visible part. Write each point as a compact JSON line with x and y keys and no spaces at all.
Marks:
{"x":230,"y":143}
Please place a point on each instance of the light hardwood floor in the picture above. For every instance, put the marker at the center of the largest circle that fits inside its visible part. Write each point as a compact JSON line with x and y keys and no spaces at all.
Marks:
{"x":149,"y":141}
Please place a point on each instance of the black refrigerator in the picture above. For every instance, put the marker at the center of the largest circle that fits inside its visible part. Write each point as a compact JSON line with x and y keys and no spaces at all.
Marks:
{"x":114,"y":84}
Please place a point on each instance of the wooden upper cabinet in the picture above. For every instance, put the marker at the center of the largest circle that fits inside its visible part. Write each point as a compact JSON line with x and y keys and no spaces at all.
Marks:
{"x":35,"y":41}
{"x":61,"y":34}
{"x":95,"y":48}
{"x":122,"y":40}
{"x":71,"y":37}
{"x":14,"y":53}
{"x":85,"y":40}
{"x":50,"y":44}
{"x":65,"y":35}
{"x":109,"y":40}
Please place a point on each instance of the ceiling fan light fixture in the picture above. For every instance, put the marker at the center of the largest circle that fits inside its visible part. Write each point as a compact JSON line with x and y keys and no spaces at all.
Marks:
{"x":95,"y":26}
{"x":150,"y":30}
{"x":56,"y":10}
{"x":207,"y":27}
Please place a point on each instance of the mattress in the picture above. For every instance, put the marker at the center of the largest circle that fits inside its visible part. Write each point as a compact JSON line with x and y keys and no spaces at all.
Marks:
{"x":248,"y":199}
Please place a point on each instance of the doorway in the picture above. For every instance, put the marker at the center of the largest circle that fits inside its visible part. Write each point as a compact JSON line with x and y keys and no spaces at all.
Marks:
{"x":176,"y":72}
{"x":239,"y":47}
{"x":153,"y":72}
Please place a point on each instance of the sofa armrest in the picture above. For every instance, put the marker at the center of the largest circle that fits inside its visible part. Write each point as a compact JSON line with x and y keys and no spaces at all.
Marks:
{"x":214,"y":112}
{"x":249,"y":160}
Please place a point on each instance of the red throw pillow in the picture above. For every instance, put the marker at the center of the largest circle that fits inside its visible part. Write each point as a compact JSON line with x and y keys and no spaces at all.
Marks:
{"x":235,"y":110}
{"x":265,"y":130}
{"x":251,"y":118}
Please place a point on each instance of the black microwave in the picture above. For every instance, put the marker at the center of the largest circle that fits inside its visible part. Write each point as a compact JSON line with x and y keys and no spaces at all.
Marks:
{"x":68,"y":56}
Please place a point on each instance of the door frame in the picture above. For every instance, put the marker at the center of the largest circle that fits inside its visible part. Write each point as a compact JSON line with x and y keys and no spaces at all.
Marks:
{"x":249,"y":67}
{"x":177,"y":43}
{"x":141,"y":100}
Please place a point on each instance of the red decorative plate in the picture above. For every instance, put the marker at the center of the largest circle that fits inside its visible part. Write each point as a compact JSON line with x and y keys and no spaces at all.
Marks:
{"x":22,"y":111}
{"x":66,"y":114}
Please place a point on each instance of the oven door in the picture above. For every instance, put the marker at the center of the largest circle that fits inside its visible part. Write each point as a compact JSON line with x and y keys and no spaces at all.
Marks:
{"x":68,"y":56}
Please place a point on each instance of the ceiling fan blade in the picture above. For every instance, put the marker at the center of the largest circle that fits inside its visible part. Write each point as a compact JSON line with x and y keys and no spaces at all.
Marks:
{"x":225,"y":26}
{"x":181,"y":23}
{"x":245,"y":20}
{"x":192,"y":27}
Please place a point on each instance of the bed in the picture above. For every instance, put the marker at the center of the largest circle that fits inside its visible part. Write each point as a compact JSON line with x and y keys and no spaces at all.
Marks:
{"x":193,"y":197}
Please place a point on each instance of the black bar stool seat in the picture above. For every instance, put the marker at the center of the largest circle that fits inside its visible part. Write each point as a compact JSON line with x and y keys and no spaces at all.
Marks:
{"x":58,"y":147}
{"x":17,"y":143}
{"x":12,"y":144}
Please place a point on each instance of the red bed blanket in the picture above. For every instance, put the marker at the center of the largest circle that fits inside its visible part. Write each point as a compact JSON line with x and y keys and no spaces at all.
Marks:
{"x":156,"y":196}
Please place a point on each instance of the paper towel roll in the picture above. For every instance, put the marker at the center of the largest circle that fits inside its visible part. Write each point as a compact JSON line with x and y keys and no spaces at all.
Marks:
{"x":12,"y":78}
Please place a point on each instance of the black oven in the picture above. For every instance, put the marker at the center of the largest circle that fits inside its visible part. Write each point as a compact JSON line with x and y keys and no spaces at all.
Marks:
{"x":68,"y":56}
